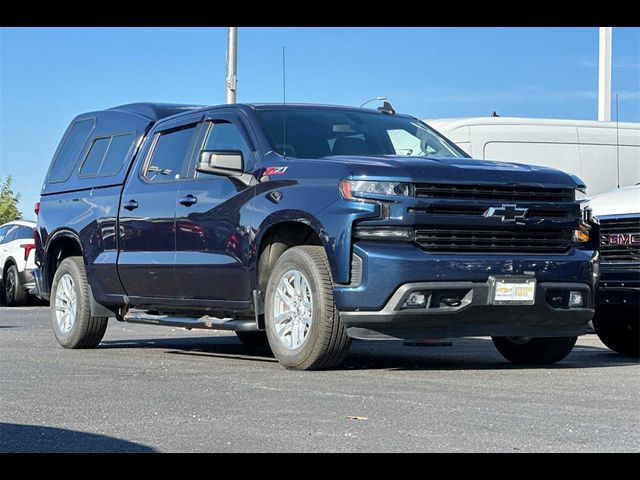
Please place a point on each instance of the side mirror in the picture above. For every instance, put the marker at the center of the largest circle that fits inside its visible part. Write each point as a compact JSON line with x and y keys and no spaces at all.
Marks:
{"x":228,"y":162}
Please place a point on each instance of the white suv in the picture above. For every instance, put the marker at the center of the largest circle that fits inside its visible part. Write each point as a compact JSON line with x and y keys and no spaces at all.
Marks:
{"x":17,"y":252}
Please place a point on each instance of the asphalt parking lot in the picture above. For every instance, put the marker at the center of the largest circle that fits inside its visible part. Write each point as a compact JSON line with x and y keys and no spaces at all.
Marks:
{"x":161,"y":389}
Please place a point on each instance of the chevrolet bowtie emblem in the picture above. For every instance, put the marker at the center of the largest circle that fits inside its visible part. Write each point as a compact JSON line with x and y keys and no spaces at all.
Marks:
{"x":506,"y":213}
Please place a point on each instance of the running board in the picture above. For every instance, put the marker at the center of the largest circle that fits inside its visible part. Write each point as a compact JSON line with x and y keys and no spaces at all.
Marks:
{"x":206,"y":322}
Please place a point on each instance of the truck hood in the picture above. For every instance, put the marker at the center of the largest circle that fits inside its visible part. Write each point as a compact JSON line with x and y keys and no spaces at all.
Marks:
{"x":620,"y":201}
{"x":454,"y":170}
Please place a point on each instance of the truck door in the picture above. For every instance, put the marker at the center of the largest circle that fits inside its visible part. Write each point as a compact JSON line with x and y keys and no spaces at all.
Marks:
{"x":147,"y":213}
{"x":213,"y":230}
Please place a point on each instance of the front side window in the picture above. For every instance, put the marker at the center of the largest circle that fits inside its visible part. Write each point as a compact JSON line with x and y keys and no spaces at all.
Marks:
{"x":171,"y":150}
{"x":225,"y":136}
{"x":3,"y":232}
{"x":68,"y":154}
{"x":321,"y":132}
{"x":107,"y":155}
{"x":10,"y":236}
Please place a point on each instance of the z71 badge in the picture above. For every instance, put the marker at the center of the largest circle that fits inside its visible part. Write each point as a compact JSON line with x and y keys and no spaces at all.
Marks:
{"x":274,"y":171}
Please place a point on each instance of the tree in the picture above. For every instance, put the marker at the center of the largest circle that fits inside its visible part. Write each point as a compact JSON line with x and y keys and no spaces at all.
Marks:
{"x":8,"y":202}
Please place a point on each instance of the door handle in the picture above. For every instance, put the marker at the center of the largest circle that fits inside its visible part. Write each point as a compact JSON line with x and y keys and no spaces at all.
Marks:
{"x":188,"y":200}
{"x":130,"y":205}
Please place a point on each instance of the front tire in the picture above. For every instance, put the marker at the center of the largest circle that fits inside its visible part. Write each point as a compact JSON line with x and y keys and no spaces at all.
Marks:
{"x":534,"y":351}
{"x":302,"y":323}
{"x":71,"y":319}
{"x":13,"y":294}
{"x":618,"y":329}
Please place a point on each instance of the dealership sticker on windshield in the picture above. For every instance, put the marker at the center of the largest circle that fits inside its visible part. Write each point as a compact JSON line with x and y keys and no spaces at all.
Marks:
{"x":512,"y":291}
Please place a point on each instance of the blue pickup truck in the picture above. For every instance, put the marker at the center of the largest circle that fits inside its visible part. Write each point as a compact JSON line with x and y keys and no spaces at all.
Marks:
{"x":304,"y":226}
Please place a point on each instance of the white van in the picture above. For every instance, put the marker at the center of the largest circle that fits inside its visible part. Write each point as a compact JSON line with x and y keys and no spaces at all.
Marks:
{"x":592,"y":150}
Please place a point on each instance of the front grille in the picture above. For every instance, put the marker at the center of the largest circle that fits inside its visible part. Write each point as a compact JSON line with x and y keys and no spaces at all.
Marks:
{"x":620,"y":239}
{"x":474,"y":211}
{"x":494,"y":240}
{"x":492,"y":192}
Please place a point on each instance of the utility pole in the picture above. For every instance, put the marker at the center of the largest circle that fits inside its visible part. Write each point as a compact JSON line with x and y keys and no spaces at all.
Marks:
{"x":604,"y":74}
{"x":232,"y":65}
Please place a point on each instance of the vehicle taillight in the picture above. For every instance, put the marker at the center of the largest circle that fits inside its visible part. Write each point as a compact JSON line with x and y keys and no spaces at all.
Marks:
{"x":27,"y":249}
{"x":36,"y":208}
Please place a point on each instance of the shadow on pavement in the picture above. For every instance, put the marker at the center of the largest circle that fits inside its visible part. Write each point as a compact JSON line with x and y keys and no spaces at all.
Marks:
{"x":16,"y":438}
{"x":223,"y":347}
{"x":471,"y":354}
{"x":465,"y":354}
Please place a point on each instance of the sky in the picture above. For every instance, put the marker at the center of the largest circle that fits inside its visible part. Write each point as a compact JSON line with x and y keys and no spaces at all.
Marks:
{"x":49,"y":75}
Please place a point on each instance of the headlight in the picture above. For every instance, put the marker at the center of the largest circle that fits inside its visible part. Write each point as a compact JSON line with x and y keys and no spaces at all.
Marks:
{"x":356,"y":189}
{"x":581,"y":188}
{"x":383,"y":233}
{"x":581,"y":194}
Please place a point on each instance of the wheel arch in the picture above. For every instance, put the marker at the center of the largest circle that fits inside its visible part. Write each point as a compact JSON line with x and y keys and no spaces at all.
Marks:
{"x":61,"y":244}
{"x":280,"y":234}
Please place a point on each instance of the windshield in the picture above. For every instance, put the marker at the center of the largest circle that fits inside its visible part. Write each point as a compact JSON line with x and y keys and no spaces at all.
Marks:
{"x":321,"y":132}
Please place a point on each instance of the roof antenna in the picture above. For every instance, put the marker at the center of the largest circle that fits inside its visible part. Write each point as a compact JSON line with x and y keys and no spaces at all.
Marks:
{"x":284,"y":109}
{"x":495,"y":114}
{"x":618,"y":139}
{"x":387,"y":109}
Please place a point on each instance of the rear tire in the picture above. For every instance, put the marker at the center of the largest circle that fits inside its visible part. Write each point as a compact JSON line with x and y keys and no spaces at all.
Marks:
{"x":534,"y":351}
{"x":618,"y":329}
{"x":254,"y":339}
{"x":312,"y":336}
{"x":71,"y":319}
{"x":13,"y":294}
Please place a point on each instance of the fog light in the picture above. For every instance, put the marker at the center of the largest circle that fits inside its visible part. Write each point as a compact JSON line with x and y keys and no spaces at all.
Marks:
{"x":575,"y":299}
{"x":416,"y":299}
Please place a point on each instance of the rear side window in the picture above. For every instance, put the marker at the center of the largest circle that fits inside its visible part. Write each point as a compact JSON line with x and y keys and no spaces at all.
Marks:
{"x":169,"y":154}
{"x":106,"y":156}
{"x":24,"y":233}
{"x":116,"y":154}
{"x":95,"y":156}
{"x":68,"y":154}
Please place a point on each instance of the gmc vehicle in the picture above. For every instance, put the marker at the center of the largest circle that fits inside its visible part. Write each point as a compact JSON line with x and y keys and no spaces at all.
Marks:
{"x":617,"y":319}
{"x":306,"y":226}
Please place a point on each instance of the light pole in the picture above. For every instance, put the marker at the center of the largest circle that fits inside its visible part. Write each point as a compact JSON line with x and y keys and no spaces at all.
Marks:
{"x":604,"y":74}
{"x":232,"y":65}
{"x":373,"y":100}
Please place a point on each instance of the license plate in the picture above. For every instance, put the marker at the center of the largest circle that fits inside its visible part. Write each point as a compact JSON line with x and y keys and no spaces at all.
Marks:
{"x":512,"y":291}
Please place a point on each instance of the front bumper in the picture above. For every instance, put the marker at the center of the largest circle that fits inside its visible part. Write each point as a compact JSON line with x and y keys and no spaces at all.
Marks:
{"x":474,"y":316}
{"x":619,"y":284}
{"x":391,"y":271}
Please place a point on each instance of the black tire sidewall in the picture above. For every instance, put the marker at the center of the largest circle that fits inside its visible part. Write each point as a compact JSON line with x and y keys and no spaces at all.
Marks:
{"x":618,"y":329}
{"x":10,"y":300}
{"x":294,"y":259}
{"x":83,"y":310}
{"x":537,"y":351}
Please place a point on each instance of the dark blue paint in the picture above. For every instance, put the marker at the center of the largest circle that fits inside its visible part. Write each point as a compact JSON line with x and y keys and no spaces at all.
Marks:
{"x":203,"y":256}
{"x":410,"y":264}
